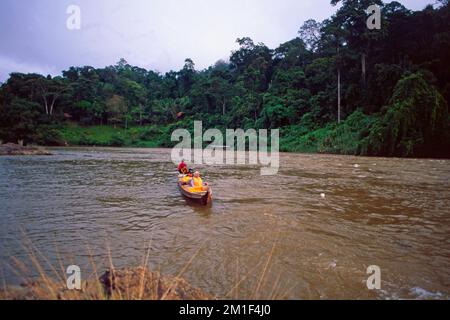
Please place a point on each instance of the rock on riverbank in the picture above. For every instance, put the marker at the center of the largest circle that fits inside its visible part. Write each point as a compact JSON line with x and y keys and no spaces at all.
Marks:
{"x":124,"y":284}
{"x":11,"y":149}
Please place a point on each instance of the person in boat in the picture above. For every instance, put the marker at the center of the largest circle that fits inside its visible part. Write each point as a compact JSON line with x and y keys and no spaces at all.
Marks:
{"x":186,"y":180}
{"x":182,"y":168}
{"x":197,"y":184}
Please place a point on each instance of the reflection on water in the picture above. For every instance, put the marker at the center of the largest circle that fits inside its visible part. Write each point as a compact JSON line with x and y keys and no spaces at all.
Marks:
{"x":393,"y":213}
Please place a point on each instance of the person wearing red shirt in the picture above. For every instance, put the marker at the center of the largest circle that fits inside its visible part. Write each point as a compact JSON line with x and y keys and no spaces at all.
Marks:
{"x":182,"y":167}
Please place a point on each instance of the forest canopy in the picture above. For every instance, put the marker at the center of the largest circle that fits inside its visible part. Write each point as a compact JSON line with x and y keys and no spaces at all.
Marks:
{"x":394,"y":86}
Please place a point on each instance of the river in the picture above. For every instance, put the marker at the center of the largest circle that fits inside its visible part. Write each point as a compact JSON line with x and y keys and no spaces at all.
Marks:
{"x":309,"y":232}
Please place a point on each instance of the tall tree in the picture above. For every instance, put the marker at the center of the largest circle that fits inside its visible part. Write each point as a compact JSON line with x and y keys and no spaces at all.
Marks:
{"x":310,"y":34}
{"x":50,"y":90}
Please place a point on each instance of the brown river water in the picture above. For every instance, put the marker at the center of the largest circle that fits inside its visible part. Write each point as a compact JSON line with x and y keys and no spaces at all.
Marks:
{"x":263,"y":237}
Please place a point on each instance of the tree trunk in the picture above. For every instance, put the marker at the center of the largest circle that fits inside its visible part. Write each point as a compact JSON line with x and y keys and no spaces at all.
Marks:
{"x":339,"y":95}
{"x":339,"y":82}
{"x":52,"y":105}
{"x":223,"y":108}
{"x":45,"y":104}
{"x":363,"y":68}
{"x":256,"y":113}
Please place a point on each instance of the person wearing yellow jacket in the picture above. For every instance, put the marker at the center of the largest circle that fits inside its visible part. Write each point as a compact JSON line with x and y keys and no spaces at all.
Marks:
{"x":197,"y":183}
{"x":186,"y":179}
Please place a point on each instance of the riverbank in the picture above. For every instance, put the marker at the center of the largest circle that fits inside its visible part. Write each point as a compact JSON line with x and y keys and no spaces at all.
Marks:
{"x":10,"y":149}
{"x":124,"y":284}
{"x":351,"y":137}
{"x":307,"y":138}
{"x":110,"y":136}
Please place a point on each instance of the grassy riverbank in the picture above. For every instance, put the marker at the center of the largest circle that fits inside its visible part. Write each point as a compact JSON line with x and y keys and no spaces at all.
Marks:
{"x":358,"y":134}
{"x":109,"y":136}
{"x":343,"y":139}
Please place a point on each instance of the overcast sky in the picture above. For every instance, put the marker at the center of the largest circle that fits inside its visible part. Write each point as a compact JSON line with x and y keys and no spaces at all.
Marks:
{"x":153,"y":34}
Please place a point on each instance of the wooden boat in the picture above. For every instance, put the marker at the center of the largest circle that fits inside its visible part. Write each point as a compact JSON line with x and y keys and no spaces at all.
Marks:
{"x":204,"y":197}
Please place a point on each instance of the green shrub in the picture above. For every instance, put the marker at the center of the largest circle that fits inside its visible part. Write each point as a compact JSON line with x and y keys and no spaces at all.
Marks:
{"x":346,"y":137}
{"x":117,"y":140}
{"x":48,"y":136}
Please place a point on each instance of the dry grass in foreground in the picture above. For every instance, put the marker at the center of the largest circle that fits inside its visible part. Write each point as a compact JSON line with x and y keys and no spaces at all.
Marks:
{"x":123,"y":284}
{"x":137,"y":283}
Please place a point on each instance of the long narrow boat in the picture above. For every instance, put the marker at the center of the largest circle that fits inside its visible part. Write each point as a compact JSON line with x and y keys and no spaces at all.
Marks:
{"x":204,"y":197}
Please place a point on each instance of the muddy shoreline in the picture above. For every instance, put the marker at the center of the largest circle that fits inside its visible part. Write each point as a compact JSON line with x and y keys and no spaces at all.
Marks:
{"x":11,"y":149}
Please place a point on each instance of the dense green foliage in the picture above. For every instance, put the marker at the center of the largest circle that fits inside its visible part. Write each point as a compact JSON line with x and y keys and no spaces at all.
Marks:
{"x":395,"y":91}
{"x":413,"y":123}
{"x":140,"y":136}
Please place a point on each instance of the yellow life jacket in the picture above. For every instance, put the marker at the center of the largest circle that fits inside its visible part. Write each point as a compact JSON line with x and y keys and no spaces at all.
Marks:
{"x":198,"y":182}
{"x":186,"y":179}
{"x":198,"y":185}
